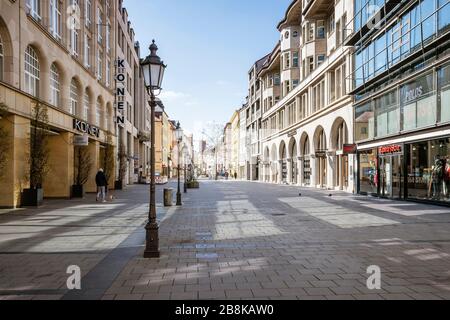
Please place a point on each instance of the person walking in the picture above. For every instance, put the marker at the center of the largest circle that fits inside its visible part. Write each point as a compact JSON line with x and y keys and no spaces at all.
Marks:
{"x":100,"y":180}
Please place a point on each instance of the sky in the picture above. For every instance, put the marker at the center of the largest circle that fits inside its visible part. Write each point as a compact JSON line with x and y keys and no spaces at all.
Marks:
{"x":209,"y":47}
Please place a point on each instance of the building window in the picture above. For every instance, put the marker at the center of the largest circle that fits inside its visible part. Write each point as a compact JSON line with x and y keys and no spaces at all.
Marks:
{"x":287,"y":86}
{"x":287,"y":60}
{"x":320,"y":59}
{"x":99,"y":26}
{"x":31,"y":72}
{"x":295,"y":59}
{"x":87,"y":51}
{"x":1,"y":60}
{"x":108,"y":72}
{"x":86,"y":100}
{"x":99,"y":65}
{"x":87,"y":13}
{"x":310,"y":64}
{"x":55,"y":18}
{"x":54,"y":86}
{"x":73,"y":103}
{"x":108,"y":33}
{"x":295,"y":34}
{"x":320,"y":29}
{"x":331,"y":23}
{"x":35,"y":8}
{"x":74,"y":41}
{"x":276,"y":79}
{"x":98,"y":112}
{"x":295,"y":83}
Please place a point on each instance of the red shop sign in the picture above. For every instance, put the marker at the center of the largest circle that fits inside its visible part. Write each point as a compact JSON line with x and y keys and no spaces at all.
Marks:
{"x":392,"y":149}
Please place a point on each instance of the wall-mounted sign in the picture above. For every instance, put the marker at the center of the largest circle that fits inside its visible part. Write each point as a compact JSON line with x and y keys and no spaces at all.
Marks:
{"x":349,"y":149}
{"x":120,"y":90}
{"x":321,"y":153}
{"x":390,"y":150}
{"x":81,"y":141}
{"x":84,"y":127}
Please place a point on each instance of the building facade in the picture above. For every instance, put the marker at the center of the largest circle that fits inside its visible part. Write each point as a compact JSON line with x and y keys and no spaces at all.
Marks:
{"x":307,"y":113}
{"x":401,"y":83}
{"x":48,"y":60}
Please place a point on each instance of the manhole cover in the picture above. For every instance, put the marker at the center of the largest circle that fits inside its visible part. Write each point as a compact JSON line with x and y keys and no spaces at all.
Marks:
{"x":279,"y":214}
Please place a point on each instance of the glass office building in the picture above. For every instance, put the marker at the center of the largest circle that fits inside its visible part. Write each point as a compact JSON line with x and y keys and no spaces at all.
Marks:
{"x":401,"y":83}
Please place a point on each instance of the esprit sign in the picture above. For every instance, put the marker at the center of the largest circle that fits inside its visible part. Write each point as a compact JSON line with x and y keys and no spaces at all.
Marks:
{"x":120,"y":90}
{"x":389,"y":150}
{"x":84,"y":127}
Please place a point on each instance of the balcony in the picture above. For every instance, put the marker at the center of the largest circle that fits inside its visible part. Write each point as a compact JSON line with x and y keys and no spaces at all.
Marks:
{"x":315,"y":7}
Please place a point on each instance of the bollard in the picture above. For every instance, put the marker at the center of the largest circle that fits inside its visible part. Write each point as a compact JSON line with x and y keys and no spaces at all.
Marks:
{"x":168,"y":197}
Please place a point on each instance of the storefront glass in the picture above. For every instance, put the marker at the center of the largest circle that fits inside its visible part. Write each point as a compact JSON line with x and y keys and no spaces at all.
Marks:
{"x":368,"y":172}
{"x":307,"y":171}
{"x":364,"y":122}
{"x":418,"y":100}
{"x":387,"y":114}
{"x":444,"y":88}
{"x":429,"y":170}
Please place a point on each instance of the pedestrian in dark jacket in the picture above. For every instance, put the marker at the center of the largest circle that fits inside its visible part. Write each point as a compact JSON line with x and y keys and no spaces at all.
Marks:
{"x":100,"y":180}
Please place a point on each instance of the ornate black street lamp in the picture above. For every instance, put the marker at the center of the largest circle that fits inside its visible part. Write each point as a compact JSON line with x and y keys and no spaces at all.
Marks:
{"x":153,"y":70}
{"x":185,"y":174}
{"x":179,"y":136}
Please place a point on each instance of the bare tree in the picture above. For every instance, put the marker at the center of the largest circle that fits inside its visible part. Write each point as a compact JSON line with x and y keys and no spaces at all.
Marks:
{"x":108,"y":159}
{"x":83,"y":165}
{"x":38,"y":152}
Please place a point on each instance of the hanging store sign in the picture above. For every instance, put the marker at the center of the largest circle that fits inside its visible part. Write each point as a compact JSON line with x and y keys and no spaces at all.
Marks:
{"x":321,"y":153}
{"x":349,"y":149}
{"x":120,"y":90}
{"x":390,"y":150}
{"x":81,"y":141}
{"x":84,"y":127}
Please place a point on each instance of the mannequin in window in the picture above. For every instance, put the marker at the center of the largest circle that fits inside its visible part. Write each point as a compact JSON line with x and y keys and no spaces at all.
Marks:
{"x":437,"y":175}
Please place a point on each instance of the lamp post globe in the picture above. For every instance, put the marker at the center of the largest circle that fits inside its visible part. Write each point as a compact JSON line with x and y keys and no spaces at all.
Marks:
{"x":153,"y":70}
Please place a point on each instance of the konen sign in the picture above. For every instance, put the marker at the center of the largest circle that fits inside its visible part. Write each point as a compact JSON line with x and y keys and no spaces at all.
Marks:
{"x":84,"y":127}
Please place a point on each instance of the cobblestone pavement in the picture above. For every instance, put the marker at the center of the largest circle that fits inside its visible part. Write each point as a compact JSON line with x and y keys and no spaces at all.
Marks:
{"x":38,"y":245}
{"x":239,"y":240}
{"x":230,"y":240}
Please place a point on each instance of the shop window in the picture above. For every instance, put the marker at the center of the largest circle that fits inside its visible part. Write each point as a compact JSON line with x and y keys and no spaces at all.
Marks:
{"x":368,"y":172}
{"x":31,"y":72}
{"x":54,"y":86}
{"x":387,"y":114}
{"x":429,"y":170}
{"x":364,"y":122}
{"x":444,"y":88}
{"x":418,"y":100}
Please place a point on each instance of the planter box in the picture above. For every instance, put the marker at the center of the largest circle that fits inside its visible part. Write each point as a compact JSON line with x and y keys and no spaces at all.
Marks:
{"x":77,"y":191}
{"x":32,"y":197}
{"x":118,"y":185}
{"x":193,"y":185}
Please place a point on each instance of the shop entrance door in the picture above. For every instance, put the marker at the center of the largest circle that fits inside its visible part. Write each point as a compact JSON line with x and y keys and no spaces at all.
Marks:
{"x":391,"y":174}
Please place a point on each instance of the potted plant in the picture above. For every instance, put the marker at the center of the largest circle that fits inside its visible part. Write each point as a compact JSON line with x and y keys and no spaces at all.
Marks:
{"x":37,"y":157}
{"x":123,"y":158}
{"x":83,"y":165}
{"x":5,"y":142}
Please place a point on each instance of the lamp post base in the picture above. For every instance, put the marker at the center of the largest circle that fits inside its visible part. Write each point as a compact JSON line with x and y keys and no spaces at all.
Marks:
{"x":152,"y":241}
{"x":179,"y":203}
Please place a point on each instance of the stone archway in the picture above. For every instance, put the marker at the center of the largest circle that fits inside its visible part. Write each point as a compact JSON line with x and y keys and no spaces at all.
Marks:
{"x":320,"y":149}
{"x":283,"y":159}
{"x":338,"y":138}
{"x":293,"y":162}
{"x":305,"y":160}
{"x":273,"y":164}
{"x":266,"y":165}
